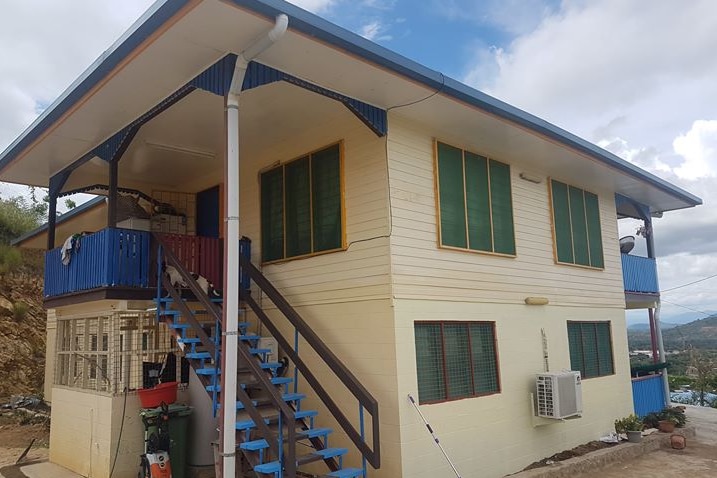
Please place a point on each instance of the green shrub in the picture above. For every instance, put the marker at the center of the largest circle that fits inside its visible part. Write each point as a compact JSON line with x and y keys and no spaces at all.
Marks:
{"x":630,"y":423}
{"x":10,"y":258}
{"x":19,"y":310}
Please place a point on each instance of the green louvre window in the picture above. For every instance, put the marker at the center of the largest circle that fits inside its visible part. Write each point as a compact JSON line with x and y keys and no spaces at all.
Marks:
{"x":576,"y":224}
{"x":475,"y":202}
{"x":301,"y":206}
{"x":590,"y":346}
{"x":455,"y":360}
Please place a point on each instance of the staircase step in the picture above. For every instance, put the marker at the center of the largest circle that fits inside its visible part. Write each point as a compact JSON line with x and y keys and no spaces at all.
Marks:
{"x":208,"y":371}
{"x":213,"y":388}
{"x":182,"y":325}
{"x":189,"y":340}
{"x":305,"y":414}
{"x":267,"y":468}
{"x":293,"y":397}
{"x":170,"y":312}
{"x":273,"y":380}
{"x":254,"y":445}
{"x":198,"y":355}
{"x":346,"y":473}
{"x":315,"y":432}
{"x":249,"y":337}
{"x":247,"y":424}
{"x":257,"y":351}
{"x":240,"y":405}
{"x":331,"y":452}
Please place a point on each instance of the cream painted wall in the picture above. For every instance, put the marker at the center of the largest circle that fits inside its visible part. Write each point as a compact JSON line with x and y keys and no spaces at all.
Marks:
{"x":50,"y":346}
{"x":494,"y":435}
{"x":420,"y":270}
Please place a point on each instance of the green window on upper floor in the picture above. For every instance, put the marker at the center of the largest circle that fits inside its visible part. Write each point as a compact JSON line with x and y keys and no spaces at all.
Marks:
{"x":590,"y":345}
{"x":474,"y":202}
{"x":576,"y":226}
{"x":301,"y":206}
{"x":455,"y":360}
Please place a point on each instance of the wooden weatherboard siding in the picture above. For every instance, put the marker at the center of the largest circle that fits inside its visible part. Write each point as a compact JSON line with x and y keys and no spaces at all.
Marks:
{"x":421,"y":269}
{"x":359,"y":271}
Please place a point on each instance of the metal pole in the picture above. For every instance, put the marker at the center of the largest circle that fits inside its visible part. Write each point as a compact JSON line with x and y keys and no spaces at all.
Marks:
{"x":435,"y":438}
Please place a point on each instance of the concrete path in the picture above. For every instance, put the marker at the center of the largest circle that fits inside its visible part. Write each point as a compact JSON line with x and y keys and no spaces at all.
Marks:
{"x":698,"y":460}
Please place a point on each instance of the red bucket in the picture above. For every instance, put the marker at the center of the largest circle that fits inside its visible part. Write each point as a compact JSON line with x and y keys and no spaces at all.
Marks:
{"x":153,"y":397}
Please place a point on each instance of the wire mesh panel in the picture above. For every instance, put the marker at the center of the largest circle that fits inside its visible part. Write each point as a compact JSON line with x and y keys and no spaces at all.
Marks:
{"x":107,"y":353}
{"x":455,"y":360}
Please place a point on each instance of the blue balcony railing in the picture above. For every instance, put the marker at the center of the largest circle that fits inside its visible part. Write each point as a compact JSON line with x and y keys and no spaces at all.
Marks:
{"x":648,"y":394}
{"x":639,"y":274}
{"x":108,"y":258}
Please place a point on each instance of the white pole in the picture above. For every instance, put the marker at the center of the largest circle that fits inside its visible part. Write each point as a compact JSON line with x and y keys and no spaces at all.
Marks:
{"x":663,"y":358}
{"x":231,"y":287}
{"x":435,"y":438}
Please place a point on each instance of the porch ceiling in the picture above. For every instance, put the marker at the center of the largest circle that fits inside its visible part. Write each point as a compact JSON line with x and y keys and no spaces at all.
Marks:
{"x":183,"y":148}
{"x":183,"y":37}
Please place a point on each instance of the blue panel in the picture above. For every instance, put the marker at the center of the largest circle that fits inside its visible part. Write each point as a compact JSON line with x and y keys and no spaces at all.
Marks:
{"x":110,"y":257}
{"x":648,"y":394}
{"x":217,"y":78}
{"x":639,"y":274}
{"x":259,"y":75}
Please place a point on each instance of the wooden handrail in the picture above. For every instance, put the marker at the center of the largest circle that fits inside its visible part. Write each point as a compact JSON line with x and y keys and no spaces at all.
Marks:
{"x":248,"y":358}
{"x":373,"y":455}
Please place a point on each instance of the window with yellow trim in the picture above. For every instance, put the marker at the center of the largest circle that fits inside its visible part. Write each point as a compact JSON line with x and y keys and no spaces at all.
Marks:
{"x":301,"y":206}
{"x":576,"y":225}
{"x":475,"y":201}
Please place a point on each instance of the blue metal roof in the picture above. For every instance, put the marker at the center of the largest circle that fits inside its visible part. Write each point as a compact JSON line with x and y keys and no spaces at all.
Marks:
{"x":314,"y":26}
{"x":84,"y":207}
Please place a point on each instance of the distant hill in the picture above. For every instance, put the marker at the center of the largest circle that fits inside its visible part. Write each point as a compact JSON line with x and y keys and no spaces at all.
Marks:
{"x":646,"y":327}
{"x":700,"y":334}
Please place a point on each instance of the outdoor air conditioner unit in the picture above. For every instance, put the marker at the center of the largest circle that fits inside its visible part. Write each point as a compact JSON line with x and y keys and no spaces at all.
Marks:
{"x":560,"y":394}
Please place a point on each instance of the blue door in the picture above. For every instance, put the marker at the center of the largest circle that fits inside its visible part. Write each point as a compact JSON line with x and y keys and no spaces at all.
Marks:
{"x":208,"y":212}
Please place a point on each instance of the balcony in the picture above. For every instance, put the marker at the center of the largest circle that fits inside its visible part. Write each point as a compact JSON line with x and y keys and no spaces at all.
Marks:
{"x":639,"y":276}
{"x":120,"y":264}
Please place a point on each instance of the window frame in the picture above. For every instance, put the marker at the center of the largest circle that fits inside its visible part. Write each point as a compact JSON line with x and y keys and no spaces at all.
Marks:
{"x":555,"y":232}
{"x":342,"y":200}
{"x":444,"y":367}
{"x":437,"y":193}
{"x":597,"y":348}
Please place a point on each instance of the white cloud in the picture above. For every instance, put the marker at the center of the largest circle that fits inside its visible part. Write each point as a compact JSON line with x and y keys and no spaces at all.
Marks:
{"x":375,"y":31}
{"x":36,"y":67}
{"x":698,"y":147}
{"x":314,"y":5}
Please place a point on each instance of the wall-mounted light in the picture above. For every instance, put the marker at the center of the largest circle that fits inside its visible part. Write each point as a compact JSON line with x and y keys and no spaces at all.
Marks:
{"x":531,"y":178}
{"x":537,"y":301}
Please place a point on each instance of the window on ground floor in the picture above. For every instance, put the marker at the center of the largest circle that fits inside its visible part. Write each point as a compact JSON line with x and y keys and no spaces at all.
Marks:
{"x":301,"y":206}
{"x":590,"y":346}
{"x":455,"y":360}
{"x":111,"y":352}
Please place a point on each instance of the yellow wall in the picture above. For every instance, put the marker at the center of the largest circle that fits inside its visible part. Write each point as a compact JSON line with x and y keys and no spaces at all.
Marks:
{"x":494,"y":435}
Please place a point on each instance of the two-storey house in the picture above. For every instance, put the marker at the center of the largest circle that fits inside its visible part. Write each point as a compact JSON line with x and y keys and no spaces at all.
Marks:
{"x":409,"y":235}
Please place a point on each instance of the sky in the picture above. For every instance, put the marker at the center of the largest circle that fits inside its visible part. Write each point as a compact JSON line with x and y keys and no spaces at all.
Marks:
{"x":637,"y":78}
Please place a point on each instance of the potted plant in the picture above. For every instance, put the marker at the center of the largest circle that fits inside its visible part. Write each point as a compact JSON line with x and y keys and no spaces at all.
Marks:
{"x":670,"y":418}
{"x":631,"y":426}
{"x":667,"y":424}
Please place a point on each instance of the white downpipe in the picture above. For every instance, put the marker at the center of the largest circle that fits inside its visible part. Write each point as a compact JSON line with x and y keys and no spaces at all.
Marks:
{"x":231,"y":288}
{"x":661,"y":350}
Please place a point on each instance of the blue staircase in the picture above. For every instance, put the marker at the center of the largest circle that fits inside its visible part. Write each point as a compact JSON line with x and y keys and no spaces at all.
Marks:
{"x":262,"y":429}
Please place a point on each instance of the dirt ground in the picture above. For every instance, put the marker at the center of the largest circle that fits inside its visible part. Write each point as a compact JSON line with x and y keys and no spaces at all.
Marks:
{"x":14,"y":438}
{"x":696,"y":461}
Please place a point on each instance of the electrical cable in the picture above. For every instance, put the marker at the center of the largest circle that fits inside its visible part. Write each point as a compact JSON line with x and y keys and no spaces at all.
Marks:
{"x":119,"y":438}
{"x":708,"y":314}
{"x":689,"y":283}
{"x":388,"y":169}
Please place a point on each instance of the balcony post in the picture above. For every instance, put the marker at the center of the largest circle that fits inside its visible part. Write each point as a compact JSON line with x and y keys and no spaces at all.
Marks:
{"x":57,"y":182}
{"x":112,"y":194}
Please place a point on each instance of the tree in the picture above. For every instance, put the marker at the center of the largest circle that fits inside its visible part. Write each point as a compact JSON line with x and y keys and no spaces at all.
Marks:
{"x":705,"y":373}
{"x":17,"y":217}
